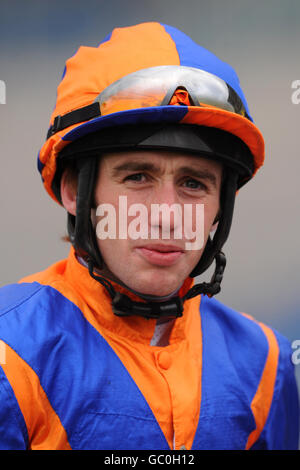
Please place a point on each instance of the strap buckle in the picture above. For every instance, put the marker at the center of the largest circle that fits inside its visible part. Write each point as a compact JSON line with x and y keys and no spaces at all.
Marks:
{"x":123,"y":306}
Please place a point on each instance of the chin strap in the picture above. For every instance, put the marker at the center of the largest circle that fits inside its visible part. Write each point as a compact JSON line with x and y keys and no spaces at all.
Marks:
{"x":124,"y":306}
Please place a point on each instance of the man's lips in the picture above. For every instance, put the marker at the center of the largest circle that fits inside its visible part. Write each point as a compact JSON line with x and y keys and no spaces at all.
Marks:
{"x":160,"y":254}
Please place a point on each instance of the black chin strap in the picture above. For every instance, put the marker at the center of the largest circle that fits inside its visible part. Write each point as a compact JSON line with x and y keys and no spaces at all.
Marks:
{"x":123,"y":306}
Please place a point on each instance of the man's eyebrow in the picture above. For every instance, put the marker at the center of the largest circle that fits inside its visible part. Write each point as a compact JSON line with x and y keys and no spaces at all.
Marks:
{"x":134,"y":166}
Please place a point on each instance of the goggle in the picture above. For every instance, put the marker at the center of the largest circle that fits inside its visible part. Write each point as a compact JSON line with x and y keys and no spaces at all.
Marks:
{"x":156,"y":86}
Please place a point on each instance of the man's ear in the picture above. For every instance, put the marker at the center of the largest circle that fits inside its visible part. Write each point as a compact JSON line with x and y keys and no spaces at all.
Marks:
{"x":68,"y":191}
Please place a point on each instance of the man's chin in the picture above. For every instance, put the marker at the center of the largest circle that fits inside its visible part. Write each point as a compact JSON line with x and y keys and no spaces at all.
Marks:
{"x":158,"y":285}
{"x":153,"y":282}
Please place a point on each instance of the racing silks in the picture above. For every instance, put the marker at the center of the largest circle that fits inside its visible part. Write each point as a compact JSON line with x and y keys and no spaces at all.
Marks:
{"x":78,"y":377}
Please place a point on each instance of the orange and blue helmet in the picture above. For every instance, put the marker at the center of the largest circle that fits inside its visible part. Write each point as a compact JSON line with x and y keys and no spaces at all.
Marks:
{"x":150,"y":86}
{"x":94,"y":71}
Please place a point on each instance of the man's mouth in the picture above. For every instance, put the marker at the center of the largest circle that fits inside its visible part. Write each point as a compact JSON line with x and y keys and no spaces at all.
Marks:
{"x":160,"y":254}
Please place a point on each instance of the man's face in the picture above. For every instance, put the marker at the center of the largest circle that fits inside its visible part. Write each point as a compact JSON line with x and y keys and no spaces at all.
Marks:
{"x":156,"y":266}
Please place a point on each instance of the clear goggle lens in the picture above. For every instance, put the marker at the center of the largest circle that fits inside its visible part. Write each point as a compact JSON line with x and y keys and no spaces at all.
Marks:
{"x":156,"y":86}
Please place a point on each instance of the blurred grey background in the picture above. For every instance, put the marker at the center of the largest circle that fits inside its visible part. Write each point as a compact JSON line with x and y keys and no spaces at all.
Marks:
{"x":260,"y":39}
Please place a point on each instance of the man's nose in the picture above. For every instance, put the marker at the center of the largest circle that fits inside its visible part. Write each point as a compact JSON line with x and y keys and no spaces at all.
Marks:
{"x":166,"y":193}
{"x":166,"y":210}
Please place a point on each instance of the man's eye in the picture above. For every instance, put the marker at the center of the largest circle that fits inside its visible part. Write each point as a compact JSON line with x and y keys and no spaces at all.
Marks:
{"x":137,"y":177}
{"x":193,"y":184}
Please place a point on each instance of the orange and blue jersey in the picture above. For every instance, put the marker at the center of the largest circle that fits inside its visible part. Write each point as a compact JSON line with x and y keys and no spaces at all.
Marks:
{"x":76,"y":376}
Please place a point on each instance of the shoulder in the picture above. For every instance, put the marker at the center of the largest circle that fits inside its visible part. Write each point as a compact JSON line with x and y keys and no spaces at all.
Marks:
{"x":25,"y":298}
{"x":242,"y":329}
{"x":39,"y":325}
{"x":28,"y":289}
{"x":258,"y":359}
{"x":258,"y":354}
{"x":14,"y":295}
{"x":35,"y":294}
{"x":37,"y":314}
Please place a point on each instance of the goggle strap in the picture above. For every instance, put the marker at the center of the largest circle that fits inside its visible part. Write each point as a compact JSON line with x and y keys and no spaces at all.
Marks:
{"x":237,"y":103}
{"x":74,"y":117}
